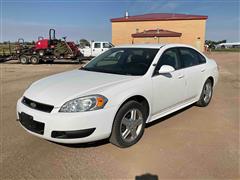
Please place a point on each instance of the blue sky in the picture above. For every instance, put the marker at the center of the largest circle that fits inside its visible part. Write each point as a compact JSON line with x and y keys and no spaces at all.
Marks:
{"x":91,"y":19}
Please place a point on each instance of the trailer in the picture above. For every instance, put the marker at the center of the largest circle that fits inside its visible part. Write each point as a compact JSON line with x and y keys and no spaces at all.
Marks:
{"x":5,"y":53}
{"x":9,"y":53}
{"x":50,"y":49}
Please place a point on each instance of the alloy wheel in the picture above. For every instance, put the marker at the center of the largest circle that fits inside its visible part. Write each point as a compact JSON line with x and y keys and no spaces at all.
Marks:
{"x":207,"y":92}
{"x":131,"y":125}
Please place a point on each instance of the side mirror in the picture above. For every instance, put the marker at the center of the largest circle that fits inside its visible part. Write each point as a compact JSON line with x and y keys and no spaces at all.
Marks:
{"x":166,"y":69}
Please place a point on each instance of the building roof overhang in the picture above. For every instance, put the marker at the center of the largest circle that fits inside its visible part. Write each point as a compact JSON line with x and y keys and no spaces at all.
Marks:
{"x":159,"y":17}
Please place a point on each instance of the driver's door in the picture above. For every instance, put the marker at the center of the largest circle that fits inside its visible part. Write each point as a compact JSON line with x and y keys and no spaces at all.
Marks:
{"x":169,"y":89}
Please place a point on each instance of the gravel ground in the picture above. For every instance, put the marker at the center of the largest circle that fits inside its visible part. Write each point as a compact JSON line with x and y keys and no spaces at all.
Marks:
{"x":192,"y":143}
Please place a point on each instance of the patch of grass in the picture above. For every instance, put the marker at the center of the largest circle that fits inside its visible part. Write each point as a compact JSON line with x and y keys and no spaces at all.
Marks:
{"x":226,"y":50}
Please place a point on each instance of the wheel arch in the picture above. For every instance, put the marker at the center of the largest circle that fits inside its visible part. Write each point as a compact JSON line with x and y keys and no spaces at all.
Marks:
{"x":138,"y":98}
{"x":211,"y":79}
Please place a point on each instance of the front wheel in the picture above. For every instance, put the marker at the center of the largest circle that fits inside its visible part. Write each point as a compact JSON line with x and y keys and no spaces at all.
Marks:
{"x":129,"y":124}
{"x":206,"y":94}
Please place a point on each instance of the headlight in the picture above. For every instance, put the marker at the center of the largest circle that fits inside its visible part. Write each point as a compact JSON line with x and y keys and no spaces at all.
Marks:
{"x":82,"y":104}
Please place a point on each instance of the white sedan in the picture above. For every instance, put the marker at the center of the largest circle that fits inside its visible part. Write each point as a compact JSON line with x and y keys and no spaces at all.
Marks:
{"x":117,"y":93}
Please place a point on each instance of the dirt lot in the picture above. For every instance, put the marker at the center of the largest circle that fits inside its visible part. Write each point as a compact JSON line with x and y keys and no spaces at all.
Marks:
{"x":193,"y":143}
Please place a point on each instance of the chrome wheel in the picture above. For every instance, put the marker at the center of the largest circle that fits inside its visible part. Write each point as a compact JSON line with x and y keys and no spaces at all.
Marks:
{"x":207,"y":92}
{"x":131,"y":125}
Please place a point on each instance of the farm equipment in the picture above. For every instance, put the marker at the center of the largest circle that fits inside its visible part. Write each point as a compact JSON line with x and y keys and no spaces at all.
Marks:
{"x":21,"y":48}
{"x":12,"y":51}
{"x":6,"y":52}
{"x":50,"y":49}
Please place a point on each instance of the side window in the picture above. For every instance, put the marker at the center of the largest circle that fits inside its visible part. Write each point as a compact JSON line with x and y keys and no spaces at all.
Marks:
{"x":97,"y":45}
{"x":106,"y":45}
{"x":169,"y":57}
{"x":189,"y":57}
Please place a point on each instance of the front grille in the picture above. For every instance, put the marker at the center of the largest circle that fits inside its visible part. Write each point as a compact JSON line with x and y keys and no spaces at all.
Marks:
{"x":30,"y":124}
{"x":36,"y":105}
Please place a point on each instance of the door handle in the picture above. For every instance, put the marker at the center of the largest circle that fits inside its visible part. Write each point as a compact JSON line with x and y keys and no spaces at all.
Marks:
{"x":202,"y":70}
{"x":181,"y":76}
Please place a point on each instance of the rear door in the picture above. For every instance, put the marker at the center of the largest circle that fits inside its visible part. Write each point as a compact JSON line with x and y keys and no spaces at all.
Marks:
{"x":195,"y":65}
{"x":169,"y":90}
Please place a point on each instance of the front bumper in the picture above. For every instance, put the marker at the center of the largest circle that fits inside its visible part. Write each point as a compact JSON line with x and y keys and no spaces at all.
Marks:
{"x":100,"y":120}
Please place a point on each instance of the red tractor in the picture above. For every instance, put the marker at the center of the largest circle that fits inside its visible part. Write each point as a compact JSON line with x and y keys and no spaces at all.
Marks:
{"x":50,"y":49}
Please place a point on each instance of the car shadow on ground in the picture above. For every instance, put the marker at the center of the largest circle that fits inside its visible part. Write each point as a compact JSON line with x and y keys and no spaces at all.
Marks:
{"x":86,"y":145}
{"x":106,"y":141}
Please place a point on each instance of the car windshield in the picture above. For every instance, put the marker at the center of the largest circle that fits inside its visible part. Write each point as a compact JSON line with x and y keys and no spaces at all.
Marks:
{"x":124,"y":61}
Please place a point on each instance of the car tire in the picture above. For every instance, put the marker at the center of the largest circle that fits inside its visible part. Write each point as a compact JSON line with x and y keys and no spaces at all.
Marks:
{"x":129,"y":124}
{"x":23,"y":59}
{"x":34,"y":60}
{"x":206,"y":94}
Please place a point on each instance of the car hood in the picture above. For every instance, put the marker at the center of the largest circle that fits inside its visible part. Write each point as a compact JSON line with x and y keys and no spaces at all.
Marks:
{"x":59,"y":88}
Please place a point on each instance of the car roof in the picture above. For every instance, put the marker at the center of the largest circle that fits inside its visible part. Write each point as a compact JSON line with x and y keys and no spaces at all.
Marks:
{"x":141,"y":46}
{"x":153,"y":46}
{"x":100,"y":41}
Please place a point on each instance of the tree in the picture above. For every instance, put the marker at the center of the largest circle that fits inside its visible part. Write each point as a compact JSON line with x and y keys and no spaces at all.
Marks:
{"x":83,"y":43}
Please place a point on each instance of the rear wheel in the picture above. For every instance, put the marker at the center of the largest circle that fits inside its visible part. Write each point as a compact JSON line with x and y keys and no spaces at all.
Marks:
{"x":34,"y":60}
{"x":129,"y":124}
{"x":23,"y":59}
{"x":206,"y":94}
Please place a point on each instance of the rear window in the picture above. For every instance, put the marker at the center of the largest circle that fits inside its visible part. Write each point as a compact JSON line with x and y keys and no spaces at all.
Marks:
{"x":201,"y":59}
{"x":189,"y":57}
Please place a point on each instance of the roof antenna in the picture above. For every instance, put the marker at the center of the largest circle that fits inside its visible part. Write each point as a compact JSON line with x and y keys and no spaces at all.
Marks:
{"x":126,"y":14}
